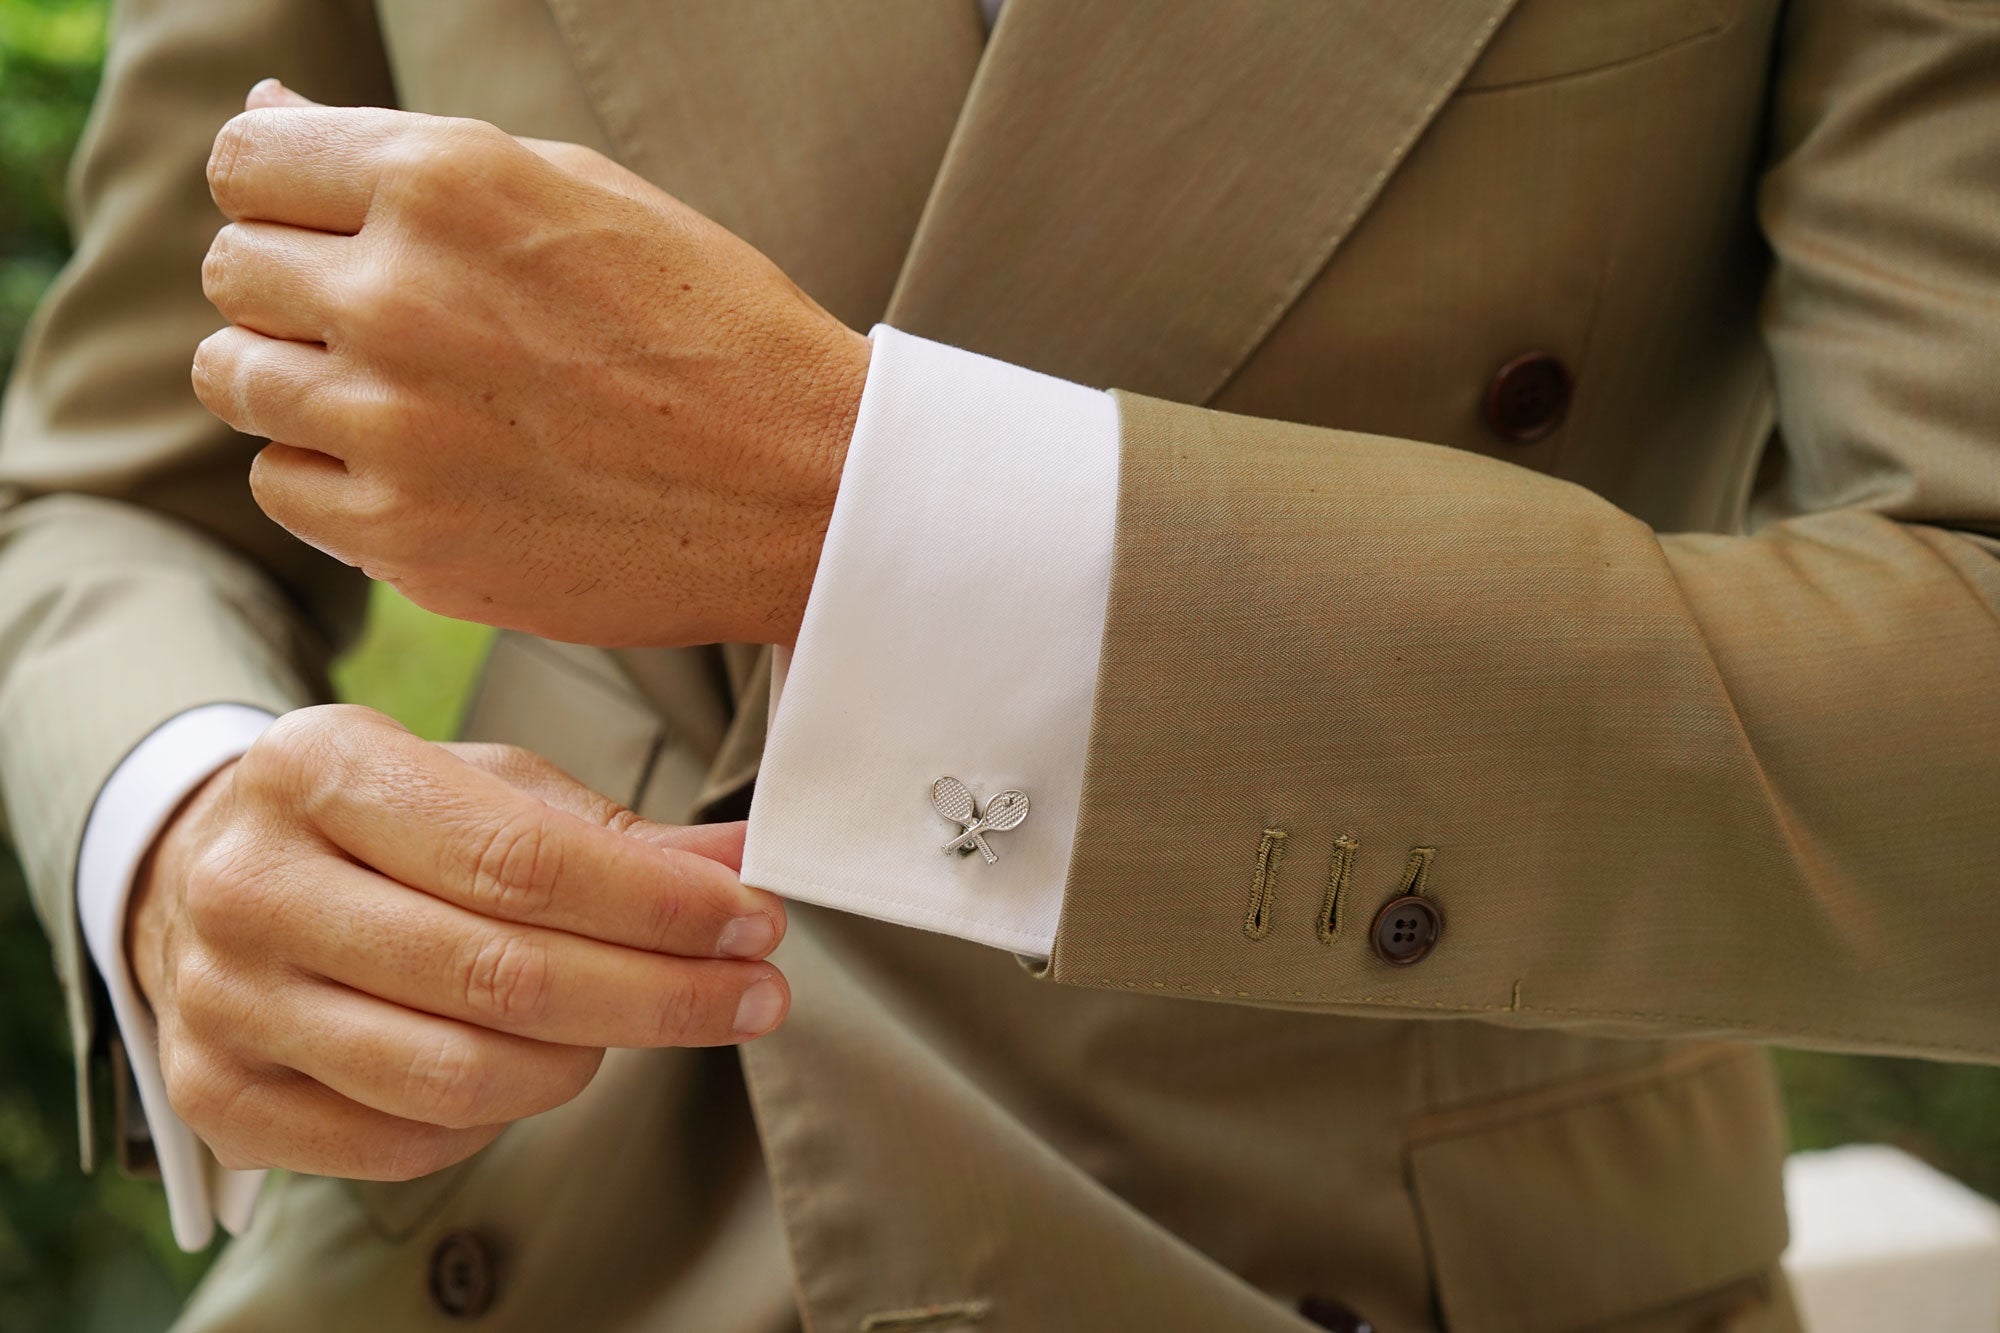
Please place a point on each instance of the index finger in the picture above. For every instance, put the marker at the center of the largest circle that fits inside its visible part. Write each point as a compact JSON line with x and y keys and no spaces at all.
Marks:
{"x":416,"y":813}
{"x":306,"y":166}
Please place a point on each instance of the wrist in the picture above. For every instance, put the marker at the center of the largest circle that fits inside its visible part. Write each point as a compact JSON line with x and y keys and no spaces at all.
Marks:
{"x":828,"y":410}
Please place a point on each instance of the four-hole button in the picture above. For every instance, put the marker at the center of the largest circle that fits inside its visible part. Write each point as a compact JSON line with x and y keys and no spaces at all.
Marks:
{"x":1528,"y":398}
{"x":1405,"y":930}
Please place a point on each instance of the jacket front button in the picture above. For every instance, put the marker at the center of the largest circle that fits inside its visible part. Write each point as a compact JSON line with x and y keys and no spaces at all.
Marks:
{"x":1406,"y":930}
{"x":1528,"y":398}
{"x":1333,"y":1315}
{"x":462,"y":1277}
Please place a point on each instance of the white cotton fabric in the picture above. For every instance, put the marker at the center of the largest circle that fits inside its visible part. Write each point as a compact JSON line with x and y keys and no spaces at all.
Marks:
{"x":141,"y":795}
{"x":953,"y":629}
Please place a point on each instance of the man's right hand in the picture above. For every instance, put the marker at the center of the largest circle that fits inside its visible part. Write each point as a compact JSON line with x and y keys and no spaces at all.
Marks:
{"x":368,"y":953}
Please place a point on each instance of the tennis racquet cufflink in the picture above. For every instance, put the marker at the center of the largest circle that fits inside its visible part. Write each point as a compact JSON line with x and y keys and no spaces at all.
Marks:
{"x":953,"y":799}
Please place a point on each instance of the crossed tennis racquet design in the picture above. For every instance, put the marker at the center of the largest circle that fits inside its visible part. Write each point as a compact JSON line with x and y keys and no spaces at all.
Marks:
{"x":953,"y":799}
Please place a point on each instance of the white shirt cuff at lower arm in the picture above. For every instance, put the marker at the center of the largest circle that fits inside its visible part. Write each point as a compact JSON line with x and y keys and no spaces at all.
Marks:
{"x":142,"y":794}
{"x":953,"y":630}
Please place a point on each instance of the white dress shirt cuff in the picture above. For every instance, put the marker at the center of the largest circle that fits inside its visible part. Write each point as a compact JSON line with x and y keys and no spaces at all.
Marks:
{"x":953,"y":630}
{"x":141,"y":795}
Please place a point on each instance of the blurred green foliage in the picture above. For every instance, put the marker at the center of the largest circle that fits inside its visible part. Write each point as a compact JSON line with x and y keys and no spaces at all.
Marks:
{"x":49,"y":54}
{"x":94,"y":1255}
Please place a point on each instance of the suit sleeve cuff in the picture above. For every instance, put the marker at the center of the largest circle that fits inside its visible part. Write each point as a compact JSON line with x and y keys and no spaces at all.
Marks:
{"x":141,"y":795}
{"x":953,"y":630}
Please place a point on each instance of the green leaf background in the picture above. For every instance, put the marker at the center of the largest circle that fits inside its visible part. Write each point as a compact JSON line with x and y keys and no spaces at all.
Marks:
{"x":94,"y":1254}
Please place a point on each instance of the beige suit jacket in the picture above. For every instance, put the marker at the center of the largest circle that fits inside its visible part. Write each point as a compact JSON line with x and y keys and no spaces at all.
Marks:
{"x":1683,"y":713}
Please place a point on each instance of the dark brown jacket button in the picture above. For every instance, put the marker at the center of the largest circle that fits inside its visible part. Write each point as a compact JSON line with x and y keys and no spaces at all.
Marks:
{"x":462,"y":1276}
{"x":1405,"y":930}
{"x":1333,"y":1315}
{"x":1528,"y":397}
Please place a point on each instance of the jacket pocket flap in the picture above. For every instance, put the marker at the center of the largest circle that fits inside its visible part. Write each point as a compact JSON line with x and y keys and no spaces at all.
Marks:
{"x":1682,"y":1167}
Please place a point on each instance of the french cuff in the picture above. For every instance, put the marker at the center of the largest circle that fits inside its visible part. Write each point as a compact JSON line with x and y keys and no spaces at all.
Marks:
{"x":953,"y":630}
{"x":135,"y":804}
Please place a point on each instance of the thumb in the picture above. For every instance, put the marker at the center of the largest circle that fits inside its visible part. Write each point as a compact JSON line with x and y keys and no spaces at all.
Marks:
{"x":272,"y":93}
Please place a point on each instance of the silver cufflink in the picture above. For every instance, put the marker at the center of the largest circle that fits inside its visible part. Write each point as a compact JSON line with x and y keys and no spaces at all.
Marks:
{"x":953,"y":799}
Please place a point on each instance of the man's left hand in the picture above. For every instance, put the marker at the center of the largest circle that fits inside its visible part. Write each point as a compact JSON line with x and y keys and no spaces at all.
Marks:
{"x":518,"y":382}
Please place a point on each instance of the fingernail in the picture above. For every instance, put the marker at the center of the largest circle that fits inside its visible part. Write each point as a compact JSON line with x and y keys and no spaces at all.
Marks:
{"x":757,"y":1012}
{"x":748,"y":937}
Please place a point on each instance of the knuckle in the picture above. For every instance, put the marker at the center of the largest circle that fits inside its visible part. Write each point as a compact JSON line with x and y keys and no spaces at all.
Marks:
{"x":466,"y":143}
{"x":288,"y":756}
{"x":308,"y":755}
{"x":676,"y":1012}
{"x":507,"y":979}
{"x":207,"y":1005}
{"x":225,"y":160}
{"x":445,"y":1083}
{"x":515,"y":868}
{"x":218,"y":265}
{"x":219,"y":885}
{"x":443,"y":167}
{"x":201,"y":992}
{"x":406,"y":167}
{"x":486,"y":756}
{"x":382,"y":506}
{"x":424,"y":154}
{"x":665,"y":908}
{"x":207,"y":888}
{"x":214,"y":371}
{"x":204,"y":1091}
{"x":373,"y":304}
{"x":267,"y":486}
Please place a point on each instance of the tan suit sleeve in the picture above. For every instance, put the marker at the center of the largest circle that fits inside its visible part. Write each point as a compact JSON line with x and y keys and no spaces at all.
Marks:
{"x":1675,"y":784}
{"x":137,"y":577}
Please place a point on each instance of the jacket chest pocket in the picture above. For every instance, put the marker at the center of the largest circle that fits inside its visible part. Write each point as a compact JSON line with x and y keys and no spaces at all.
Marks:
{"x":1553,"y":39}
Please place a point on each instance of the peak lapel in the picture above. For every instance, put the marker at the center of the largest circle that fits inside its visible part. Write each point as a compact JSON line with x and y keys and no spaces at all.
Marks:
{"x":812,"y":130}
{"x":1136,"y":192}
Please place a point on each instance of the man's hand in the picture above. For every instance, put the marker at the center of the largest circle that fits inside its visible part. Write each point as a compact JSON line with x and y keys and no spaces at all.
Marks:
{"x":517,"y":381}
{"x":368,"y":953}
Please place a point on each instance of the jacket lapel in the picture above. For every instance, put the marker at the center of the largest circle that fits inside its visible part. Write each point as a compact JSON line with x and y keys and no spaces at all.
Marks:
{"x":814,"y":131}
{"x":1125,"y":194}
{"x":1135,"y":193}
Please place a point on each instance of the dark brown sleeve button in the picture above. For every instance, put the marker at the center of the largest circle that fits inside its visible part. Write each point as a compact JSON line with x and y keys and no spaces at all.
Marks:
{"x":1406,"y":930}
{"x":1528,"y":398}
{"x":462,"y":1277}
{"x":1334,"y":1315}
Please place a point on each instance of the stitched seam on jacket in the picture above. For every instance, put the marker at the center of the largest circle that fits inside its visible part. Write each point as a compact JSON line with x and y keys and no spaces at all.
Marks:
{"x":1509,"y":1110}
{"x":958,"y":1313}
{"x":1264,"y":884}
{"x":1339,"y":877}
{"x":1900,"y":1040}
{"x":1416,"y":873}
